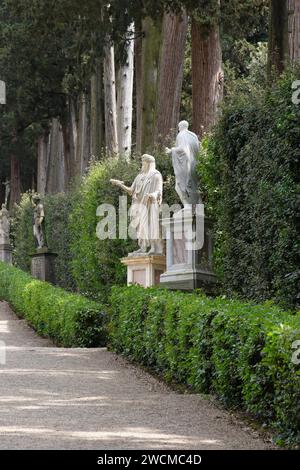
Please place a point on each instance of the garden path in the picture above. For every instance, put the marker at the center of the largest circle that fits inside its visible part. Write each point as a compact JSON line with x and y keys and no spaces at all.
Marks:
{"x":56,"y":398}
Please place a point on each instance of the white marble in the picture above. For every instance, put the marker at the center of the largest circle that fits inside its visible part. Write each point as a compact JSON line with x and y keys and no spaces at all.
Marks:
{"x":4,"y":226}
{"x":184,"y":163}
{"x":146,"y":192}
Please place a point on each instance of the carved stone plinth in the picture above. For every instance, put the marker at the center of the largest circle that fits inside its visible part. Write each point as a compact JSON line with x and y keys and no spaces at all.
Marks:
{"x":144,"y":270}
{"x":6,"y":253}
{"x":189,"y":261}
{"x":43,"y":265}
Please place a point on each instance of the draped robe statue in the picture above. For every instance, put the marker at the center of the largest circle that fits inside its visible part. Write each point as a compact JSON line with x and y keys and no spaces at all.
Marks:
{"x":184,"y":164}
{"x":146,"y":192}
{"x":4,"y":225}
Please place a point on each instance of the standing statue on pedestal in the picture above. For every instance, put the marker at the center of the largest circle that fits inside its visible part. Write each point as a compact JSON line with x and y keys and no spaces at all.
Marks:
{"x":146,"y":192}
{"x":39,"y":222}
{"x":4,"y":226}
{"x":184,"y":164}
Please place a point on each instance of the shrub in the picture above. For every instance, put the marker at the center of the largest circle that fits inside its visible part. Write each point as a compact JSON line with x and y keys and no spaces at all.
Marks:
{"x":68,"y":319}
{"x":240,"y":351}
{"x":250,"y":175}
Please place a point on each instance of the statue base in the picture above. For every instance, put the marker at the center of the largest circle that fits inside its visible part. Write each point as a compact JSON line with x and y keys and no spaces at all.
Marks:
{"x":189,"y":267}
{"x":43,"y":265}
{"x":6,"y":253}
{"x":144,"y":270}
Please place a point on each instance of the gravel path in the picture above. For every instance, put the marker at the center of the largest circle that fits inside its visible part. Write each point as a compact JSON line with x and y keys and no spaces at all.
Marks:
{"x":55,"y":398}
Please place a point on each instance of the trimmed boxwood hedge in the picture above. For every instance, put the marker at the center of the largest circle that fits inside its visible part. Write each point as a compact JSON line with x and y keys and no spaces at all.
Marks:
{"x":69,"y":319}
{"x":239,"y":351}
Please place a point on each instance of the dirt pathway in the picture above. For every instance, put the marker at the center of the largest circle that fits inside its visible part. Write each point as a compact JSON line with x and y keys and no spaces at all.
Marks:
{"x":55,"y":398}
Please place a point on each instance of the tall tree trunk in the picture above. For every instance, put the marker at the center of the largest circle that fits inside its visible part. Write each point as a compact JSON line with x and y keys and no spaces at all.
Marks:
{"x":278,"y":37}
{"x":96,"y":112}
{"x":174,"y":33}
{"x":56,"y":167}
{"x":138,"y":55}
{"x":294,"y":30}
{"x":147,"y":93}
{"x":83,"y":137}
{"x":15,"y":180}
{"x":111,"y":137}
{"x":124,"y":99}
{"x":69,"y":147}
{"x":42,"y":162}
{"x":207,"y":76}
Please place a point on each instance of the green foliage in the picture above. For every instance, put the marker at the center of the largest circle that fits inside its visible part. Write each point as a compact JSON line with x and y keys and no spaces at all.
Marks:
{"x":250,"y":174}
{"x":57,"y":209}
{"x":239,"y":351}
{"x":68,"y":319}
{"x":96,"y":263}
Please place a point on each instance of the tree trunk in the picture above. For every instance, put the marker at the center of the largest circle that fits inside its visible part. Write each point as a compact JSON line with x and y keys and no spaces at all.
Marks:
{"x":15,"y":180}
{"x":294,"y":30}
{"x":42,"y":163}
{"x":278,"y":37}
{"x":138,"y":52}
{"x":96,"y":112}
{"x":174,"y":33}
{"x":69,"y":148}
{"x":124,"y":99}
{"x":207,"y":76}
{"x":56,"y":165}
{"x":147,"y":93}
{"x":83,"y":137}
{"x":111,"y":137}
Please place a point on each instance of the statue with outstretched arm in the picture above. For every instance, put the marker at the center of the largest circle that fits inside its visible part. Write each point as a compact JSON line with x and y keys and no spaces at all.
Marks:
{"x":146,"y":192}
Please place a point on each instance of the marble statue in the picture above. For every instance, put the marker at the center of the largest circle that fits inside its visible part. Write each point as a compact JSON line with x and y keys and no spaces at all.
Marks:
{"x":38,"y":221}
{"x":7,"y":191}
{"x":184,"y":164}
{"x":4,"y":225}
{"x":146,"y":192}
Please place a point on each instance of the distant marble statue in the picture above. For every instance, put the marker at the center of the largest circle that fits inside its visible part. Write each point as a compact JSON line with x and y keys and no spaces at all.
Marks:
{"x":7,"y":191}
{"x":4,"y":226}
{"x":146,"y":192}
{"x":38,"y":221}
{"x":184,"y":164}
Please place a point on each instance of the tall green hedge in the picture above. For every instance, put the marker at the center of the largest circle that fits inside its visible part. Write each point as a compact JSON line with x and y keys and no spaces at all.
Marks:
{"x":85,"y":263}
{"x":250,"y":170}
{"x":68,"y":319}
{"x":239,"y":351}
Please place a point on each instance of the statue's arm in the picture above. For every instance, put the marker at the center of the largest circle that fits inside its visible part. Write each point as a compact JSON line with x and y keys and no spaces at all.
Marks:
{"x":175,"y":150}
{"x":156,"y":196}
{"x":121,"y":185}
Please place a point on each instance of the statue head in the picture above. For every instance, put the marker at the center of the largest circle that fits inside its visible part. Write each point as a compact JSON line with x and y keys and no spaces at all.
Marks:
{"x":183,"y":126}
{"x":148,"y":163}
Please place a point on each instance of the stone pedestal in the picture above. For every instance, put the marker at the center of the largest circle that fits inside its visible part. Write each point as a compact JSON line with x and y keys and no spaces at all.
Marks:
{"x":189,"y":262}
{"x":43,"y":266}
{"x":144,"y":270}
{"x":6,"y":253}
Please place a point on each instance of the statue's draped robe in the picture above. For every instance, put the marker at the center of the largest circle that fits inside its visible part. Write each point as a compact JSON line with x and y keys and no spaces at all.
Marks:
{"x":145,"y":214}
{"x":184,"y":164}
{"x":4,"y":226}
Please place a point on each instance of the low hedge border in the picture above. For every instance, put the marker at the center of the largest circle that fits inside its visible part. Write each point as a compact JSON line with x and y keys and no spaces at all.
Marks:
{"x":238,"y":351}
{"x":70,"y":320}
